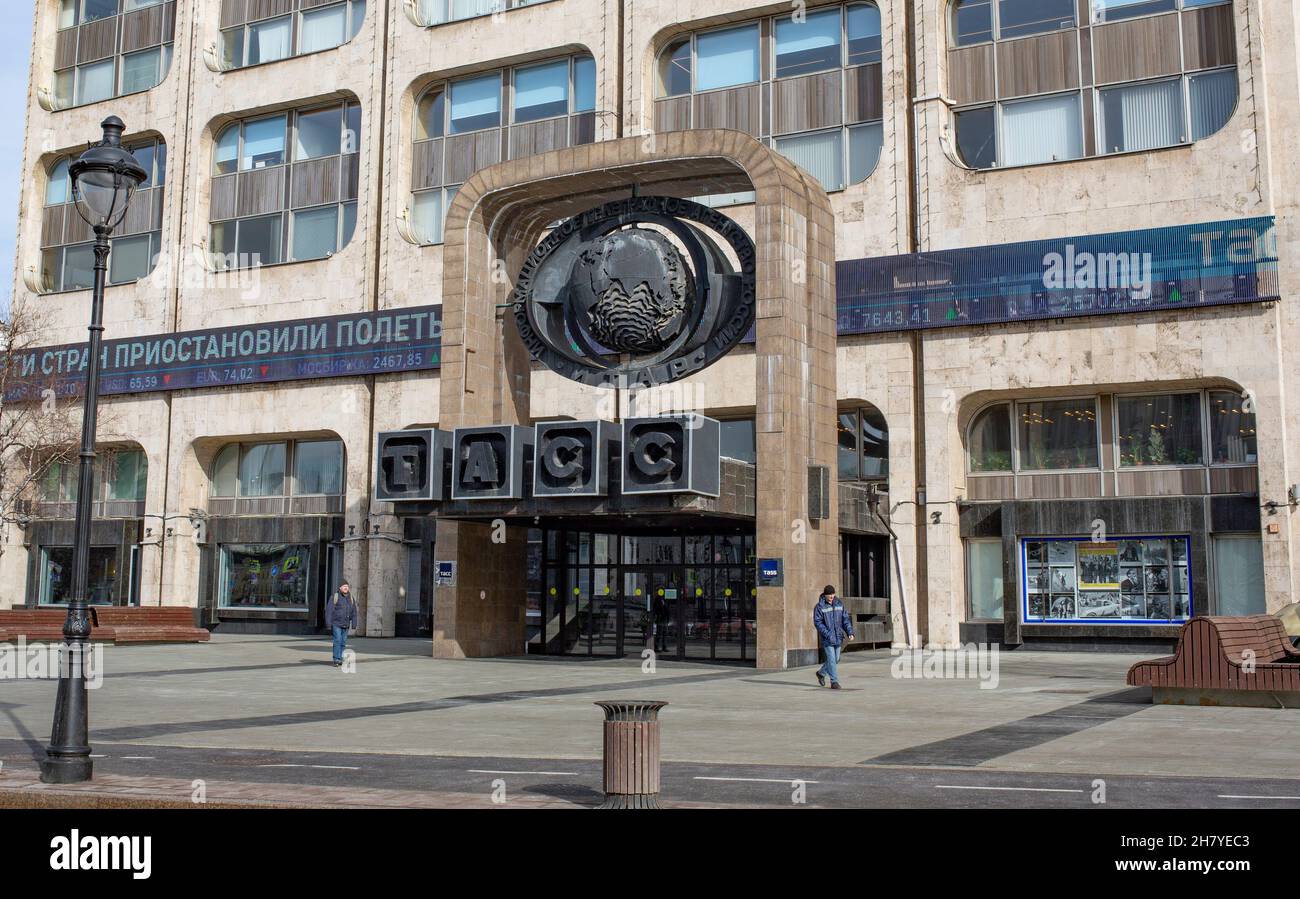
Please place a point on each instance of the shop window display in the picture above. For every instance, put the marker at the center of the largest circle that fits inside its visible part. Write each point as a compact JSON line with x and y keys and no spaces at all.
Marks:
{"x":1130,"y":579}
{"x":267,"y":576}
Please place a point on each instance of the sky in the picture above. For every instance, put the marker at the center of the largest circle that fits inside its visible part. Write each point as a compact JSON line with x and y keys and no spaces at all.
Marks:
{"x":15,"y":53}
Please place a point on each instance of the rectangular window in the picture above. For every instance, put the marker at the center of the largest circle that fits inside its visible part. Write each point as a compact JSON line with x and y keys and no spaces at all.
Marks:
{"x":263,"y":143}
{"x":584,"y":84}
{"x":261,"y":470}
{"x":1057,"y":434}
{"x":63,"y":88}
{"x":57,"y":186}
{"x":972,"y":22}
{"x":1018,"y":18}
{"x":1114,"y":10}
{"x":865,"y":142}
{"x":737,"y":440}
{"x":259,"y":241}
{"x":319,"y":133}
{"x":1239,"y":575}
{"x":863,"y":26}
{"x":323,"y":29}
{"x":131,"y":259}
{"x":726,"y":58}
{"x":976,"y":138}
{"x":225,"y":472}
{"x":128,"y":476}
{"x":269,"y":41}
{"x":1045,"y":130}
{"x":52,"y":269}
{"x":984,"y":579}
{"x":95,"y":82}
{"x":78,"y":267}
{"x":67,"y":13}
{"x":232,"y":48}
{"x":433,"y":12}
{"x":225,"y":155}
{"x":141,"y":71}
{"x":1142,"y":117}
{"x":56,"y":575}
{"x":1213,"y":97}
{"x":541,"y":91}
{"x":1159,"y":429}
{"x":847,"y":441}
{"x":1127,"y":579}
{"x":315,"y":233}
{"x":318,"y":467}
{"x":812,"y":45}
{"x":93,"y":10}
{"x":426,"y":215}
{"x":349,"y":224}
{"x":476,"y":104}
{"x":265,"y":576}
{"x":821,"y":154}
{"x":468,"y":9}
{"x":1232,"y":429}
{"x":414,"y":558}
{"x":352,"y":129}
{"x":145,"y":156}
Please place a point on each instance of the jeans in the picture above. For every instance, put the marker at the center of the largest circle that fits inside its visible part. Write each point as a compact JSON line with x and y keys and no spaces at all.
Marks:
{"x":340,"y":641}
{"x":830,"y":668}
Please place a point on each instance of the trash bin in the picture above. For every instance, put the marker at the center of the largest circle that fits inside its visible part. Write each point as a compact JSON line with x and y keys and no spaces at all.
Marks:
{"x":631,"y":753}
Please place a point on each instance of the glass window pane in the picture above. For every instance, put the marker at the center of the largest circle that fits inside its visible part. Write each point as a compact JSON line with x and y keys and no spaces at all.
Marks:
{"x":232,"y":48}
{"x":426,"y":215}
{"x":78,"y":267}
{"x":315,"y":232}
{"x":261,"y":470}
{"x":429,"y":116}
{"x":727,"y":58}
{"x":541,"y":91}
{"x":990,"y":440}
{"x":349,"y":224}
{"x":1113,"y":10}
{"x":433,"y":12}
{"x":863,"y":26}
{"x":95,"y":82}
{"x":972,"y":22}
{"x":141,"y":71}
{"x":847,"y":442}
{"x":269,"y":41}
{"x":52,"y":269}
{"x":225,"y":471}
{"x":976,"y":141}
{"x":1017,"y":18}
{"x":352,"y":129}
{"x":128,"y":5}
{"x":1142,"y":117}
{"x":476,"y":104}
{"x":318,"y":467}
{"x":737,"y":440}
{"x":1045,"y":130}
{"x":225,"y":151}
{"x":675,"y":68}
{"x":808,"y":46}
{"x":221,"y":245}
{"x":263,"y":143}
{"x":259,"y":241}
{"x":1160,"y":429}
{"x":272,"y":576}
{"x":468,"y":9}
{"x":91,"y":10}
{"x":319,"y":133}
{"x":822,"y":155}
{"x":1239,"y":575}
{"x":63,"y":86}
{"x":130,"y":259}
{"x":1057,"y":434}
{"x":358,"y":16}
{"x":323,"y":28}
{"x":57,"y":187}
{"x":56,"y":579}
{"x":1213,"y":98}
{"x":875,"y":443}
{"x":67,"y":13}
{"x":865,"y":142}
{"x":145,"y":156}
{"x":160,"y":164}
{"x":128,"y":476}
{"x":1232,"y":429}
{"x":985,"y":579}
{"x":584,"y":84}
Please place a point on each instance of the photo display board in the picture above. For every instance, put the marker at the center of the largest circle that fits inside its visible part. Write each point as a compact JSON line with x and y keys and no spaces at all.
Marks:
{"x":1126,"y":580}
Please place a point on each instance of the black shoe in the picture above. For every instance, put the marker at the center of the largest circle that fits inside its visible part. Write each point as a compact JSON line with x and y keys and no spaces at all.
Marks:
{"x":835,"y":685}
{"x":821,"y":680}
{"x":338,"y":664}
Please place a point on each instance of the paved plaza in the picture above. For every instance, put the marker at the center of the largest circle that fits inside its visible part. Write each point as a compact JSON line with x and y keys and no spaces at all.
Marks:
{"x":269,"y":719}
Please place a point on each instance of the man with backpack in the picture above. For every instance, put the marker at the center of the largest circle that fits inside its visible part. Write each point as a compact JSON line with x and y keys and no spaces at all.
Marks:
{"x":340,"y":617}
{"x":834,"y":628}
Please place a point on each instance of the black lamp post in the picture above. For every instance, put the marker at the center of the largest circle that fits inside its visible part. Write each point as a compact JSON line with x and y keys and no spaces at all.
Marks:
{"x":104,"y":179}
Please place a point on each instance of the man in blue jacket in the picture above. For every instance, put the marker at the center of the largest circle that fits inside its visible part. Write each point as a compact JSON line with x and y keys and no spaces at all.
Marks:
{"x":834,"y":627}
{"x":340,"y":616}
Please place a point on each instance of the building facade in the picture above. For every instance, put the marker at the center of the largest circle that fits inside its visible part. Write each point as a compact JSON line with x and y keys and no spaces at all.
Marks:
{"x":1062,"y":236}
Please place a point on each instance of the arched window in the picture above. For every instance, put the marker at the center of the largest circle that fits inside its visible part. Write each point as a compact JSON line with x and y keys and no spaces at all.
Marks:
{"x":462,"y":125}
{"x":109,"y":48}
{"x":259,"y":33}
{"x":279,"y":468}
{"x":67,"y":255}
{"x":1037,"y":110}
{"x":990,"y":439}
{"x":262,"y":215}
{"x":863,"y":438}
{"x":808,"y":85}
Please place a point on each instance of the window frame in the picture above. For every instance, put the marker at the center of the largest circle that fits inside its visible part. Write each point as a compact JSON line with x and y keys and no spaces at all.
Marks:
{"x":856,"y":410}
{"x":290,"y":479}
{"x":971,"y":542}
{"x":1015,"y":434}
{"x":165,"y":49}
{"x":351,"y":27}
{"x":1202,"y":423}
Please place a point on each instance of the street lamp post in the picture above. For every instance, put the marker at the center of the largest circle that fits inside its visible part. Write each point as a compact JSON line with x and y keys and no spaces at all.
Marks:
{"x":104,"y":179}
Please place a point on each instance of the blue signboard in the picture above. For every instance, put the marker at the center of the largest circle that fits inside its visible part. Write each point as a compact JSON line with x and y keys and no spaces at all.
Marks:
{"x":1175,"y":268}
{"x":769,"y":573}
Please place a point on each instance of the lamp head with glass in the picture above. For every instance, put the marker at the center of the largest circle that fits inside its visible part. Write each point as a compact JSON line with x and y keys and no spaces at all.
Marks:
{"x":104,"y":178}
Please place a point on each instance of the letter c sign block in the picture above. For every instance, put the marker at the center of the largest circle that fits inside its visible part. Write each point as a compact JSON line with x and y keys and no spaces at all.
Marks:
{"x":671,"y":454}
{"x":572,"y":458}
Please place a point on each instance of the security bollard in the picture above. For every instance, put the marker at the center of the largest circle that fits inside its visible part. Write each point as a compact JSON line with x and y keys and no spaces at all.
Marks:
{"x":631,"y":753}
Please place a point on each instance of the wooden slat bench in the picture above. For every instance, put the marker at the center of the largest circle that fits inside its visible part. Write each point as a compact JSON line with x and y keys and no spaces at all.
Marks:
{"x":111,"y":624}
{"x":1246,"y":661}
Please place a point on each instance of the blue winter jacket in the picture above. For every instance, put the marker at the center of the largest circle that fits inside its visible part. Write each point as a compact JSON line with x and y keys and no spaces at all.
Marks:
{"x":341,"y":610}
{"x":832,"y":621}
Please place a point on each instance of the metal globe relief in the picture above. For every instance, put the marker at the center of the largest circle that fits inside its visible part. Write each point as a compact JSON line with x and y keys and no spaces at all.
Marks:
{"x":105,"y":178}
